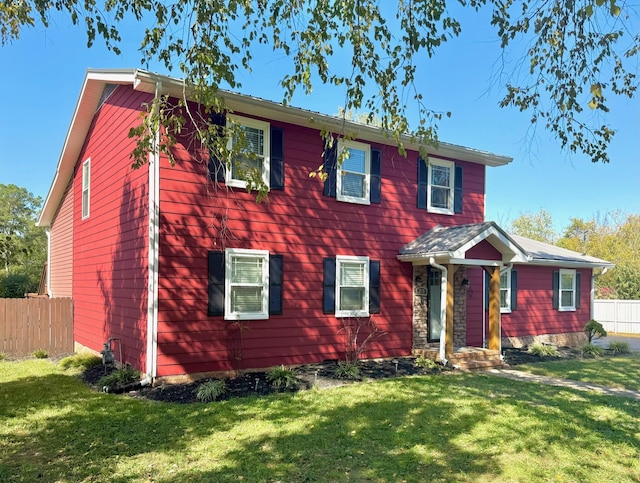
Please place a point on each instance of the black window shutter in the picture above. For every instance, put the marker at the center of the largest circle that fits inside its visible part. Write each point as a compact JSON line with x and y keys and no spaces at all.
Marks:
{"x":277,"y":159}
{"x":376,"y":180}
{"x":330,"y":167}
{"x":457,"y":191}
{"x":556,"y":290}
{"x":422,"y":183}
{"x":374,"y":287}
{"x":216,"y":283}
{"x":577,"y":290}
{"x":514,"y":289}
{"x":329,"y":286}
{"x":216,"y":165}
{"x":275,"y":284}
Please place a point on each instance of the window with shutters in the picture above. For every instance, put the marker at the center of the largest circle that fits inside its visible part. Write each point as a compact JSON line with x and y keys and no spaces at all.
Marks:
{"x":505,"y":291}
{"x":567,"y":290}
{"x":252,"y":145}
{"x":354,"y":175}
{"x":246,"y":284}
{"x":440,"y":186}
{"x":352,"y":286}
{"x":86,"y":185}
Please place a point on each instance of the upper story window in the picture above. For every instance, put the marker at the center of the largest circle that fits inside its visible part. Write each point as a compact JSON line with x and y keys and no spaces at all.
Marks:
{"x":440,"y":187}
{"x":567,"y":294}
{"x":253,"y":158}
{"x":354,"y":175}
{"x":246,"y":284}
{"x":352,"y":286}
{"x":86,"y":187}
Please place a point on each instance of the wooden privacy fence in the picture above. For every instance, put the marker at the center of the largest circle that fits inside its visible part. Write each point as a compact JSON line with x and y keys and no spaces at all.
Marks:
{"x":621,"y":316}
{"x":27,"y":325}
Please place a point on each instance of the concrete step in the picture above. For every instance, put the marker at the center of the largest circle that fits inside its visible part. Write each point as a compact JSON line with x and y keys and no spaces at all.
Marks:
{"x":476,"y":364}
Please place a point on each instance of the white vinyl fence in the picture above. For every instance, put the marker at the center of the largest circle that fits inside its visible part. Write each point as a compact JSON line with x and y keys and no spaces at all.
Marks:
{"x":618,"y":316}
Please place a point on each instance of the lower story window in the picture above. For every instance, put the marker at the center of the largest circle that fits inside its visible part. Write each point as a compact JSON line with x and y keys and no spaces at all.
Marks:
{"x":352,"y":286}
{"x":246,"y":284}
{"x":567,"y":290}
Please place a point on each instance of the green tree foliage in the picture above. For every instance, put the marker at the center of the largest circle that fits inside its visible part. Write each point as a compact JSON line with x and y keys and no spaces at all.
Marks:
{"x":537,"y":226}
{"x":577,"y":54}
{"x":23,"y":246}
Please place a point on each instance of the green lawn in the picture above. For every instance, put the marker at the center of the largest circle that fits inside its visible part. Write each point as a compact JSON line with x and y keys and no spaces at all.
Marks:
{"x":619,"y":371}
{"x":466,"y":427}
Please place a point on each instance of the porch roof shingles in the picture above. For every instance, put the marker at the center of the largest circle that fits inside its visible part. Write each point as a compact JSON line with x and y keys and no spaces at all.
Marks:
{"x":444,"y":239}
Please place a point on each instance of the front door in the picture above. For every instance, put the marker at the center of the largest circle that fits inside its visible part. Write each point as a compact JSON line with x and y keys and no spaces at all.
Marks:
{"x":435,"y":306}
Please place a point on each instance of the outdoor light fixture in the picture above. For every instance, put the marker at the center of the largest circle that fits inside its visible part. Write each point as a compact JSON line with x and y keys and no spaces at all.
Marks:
{"x":465,"y":282}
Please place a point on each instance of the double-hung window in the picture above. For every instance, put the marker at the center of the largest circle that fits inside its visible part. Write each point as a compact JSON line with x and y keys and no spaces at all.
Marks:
{"x":352,"y":286}
{"x":354,"y":174}
{"x":246,"y":284}
{"x":567,"y":294}
{"x":505,"y":291}
{"x":86,"y":185}
{"x":250,"y":146}
{"x":440,"y":187}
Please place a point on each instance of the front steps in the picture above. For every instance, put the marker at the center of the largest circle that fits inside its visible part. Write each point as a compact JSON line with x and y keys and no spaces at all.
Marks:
{"x":465,"y":358}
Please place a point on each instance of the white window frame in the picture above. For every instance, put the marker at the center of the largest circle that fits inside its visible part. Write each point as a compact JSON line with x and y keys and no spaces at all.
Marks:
{"x":229,"y":254}
{"x":340,"y":259}
{"x":256,"y":124}
{"x":507,"y":308}
{"x":86,"y":188}
{"x":567,"y":308}
{"x":344,"y":145}
{"x":452,"y":172}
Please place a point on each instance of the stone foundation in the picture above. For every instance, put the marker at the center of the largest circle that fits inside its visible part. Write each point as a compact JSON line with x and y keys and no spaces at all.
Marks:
{"x":459,"y":308}
{"x":567,"y":339}
{"x":420,"y":306}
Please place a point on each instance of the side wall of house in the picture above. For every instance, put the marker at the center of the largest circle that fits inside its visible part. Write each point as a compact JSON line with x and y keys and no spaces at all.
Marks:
{"x":110,"y":245}
{"x":304,"y":226}
{"x":61,"y":249}
{"x":535,"y":317}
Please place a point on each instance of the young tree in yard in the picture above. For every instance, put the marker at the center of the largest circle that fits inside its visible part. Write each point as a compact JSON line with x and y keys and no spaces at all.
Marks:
{"x":575,"y":56}
{"x":23,"y":246}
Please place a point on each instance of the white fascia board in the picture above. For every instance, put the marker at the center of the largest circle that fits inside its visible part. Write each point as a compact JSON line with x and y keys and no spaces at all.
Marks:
{"x":423,"y":259}
{"x":510,"y":250}
{"x":567,"y":264}
{"x":476,"y":262}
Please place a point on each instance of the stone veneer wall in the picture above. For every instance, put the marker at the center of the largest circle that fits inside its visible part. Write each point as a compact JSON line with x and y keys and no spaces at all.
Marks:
{"x":459,"y":308}
{"x":420,"y":306}
{"x":567,"y":339}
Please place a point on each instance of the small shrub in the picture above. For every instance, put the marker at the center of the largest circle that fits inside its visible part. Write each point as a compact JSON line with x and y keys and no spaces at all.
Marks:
{"x":282,"y":377}
{"x":82,"y":361}
{"x":594,"y":330}
{"x":348,"y":370}
{"x":121,"y":377}
{"x":40,"y":354}
{"x":211,"y":390}
{"x":619,"y":347}
{"x":543,"y":350}
{"x":592,"y":350}
{"x":425,"y":362}
{"x":3,"y":356}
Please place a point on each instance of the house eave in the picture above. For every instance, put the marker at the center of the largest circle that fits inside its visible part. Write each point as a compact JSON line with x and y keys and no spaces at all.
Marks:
{"x":567,"y":263}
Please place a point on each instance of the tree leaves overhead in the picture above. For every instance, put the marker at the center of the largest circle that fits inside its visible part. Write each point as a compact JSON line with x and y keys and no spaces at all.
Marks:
{"x":578,"y":53}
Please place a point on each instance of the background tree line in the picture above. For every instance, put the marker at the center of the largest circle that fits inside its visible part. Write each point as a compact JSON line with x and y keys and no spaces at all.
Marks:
{"x":23,"y":245}
{"x":614,"y":236}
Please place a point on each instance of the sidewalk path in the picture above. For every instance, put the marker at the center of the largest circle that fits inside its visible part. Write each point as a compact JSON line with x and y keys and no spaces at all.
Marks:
{"x":552,"y":381}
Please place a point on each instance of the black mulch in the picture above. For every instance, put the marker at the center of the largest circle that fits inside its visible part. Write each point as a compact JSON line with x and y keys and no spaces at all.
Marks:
{"x":321,"y":375}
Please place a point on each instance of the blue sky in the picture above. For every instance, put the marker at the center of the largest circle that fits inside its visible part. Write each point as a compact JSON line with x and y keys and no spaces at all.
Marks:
{"x":43,"y":72}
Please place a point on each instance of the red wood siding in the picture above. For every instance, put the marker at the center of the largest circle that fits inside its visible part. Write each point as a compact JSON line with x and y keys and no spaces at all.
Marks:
{"x":61,"y":254}
{"x":535,"y":314}
{"x":304,"y":226}
{"x":483,"y":251}
{"x":110,"y":246}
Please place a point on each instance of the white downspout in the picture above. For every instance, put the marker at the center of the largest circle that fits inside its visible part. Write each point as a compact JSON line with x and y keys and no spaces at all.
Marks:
{"x":443,"y":308}
{"x":592,"y":294}
{"x":48,"y":232}
{"x":154,"y":233}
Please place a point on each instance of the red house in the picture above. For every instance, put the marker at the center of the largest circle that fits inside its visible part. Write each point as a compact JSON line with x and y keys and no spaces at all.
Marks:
{"x":193,"y":276}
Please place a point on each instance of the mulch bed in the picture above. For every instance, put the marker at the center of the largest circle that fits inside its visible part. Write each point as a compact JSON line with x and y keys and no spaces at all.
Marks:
{"x":321,"y":375}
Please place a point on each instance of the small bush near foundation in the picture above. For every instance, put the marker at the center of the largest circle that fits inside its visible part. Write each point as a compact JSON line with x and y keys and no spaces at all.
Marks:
{"x":40,"y":354}
{"x":282,"y":377}
{"x":543,"y":350}
{"x":594,"y":330}
{"x":425,"y":362}
{"x":592,"y":350}
{"x":119,"y":378}
{"x":348,"y":370}
{"x":619,"y":347}
{"x":211,"y":390}
{"x":82,"y":361}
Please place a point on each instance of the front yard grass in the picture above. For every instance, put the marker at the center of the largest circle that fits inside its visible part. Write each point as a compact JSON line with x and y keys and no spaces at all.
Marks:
{"x":466,"y":427}
{"x":620,"y":371}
